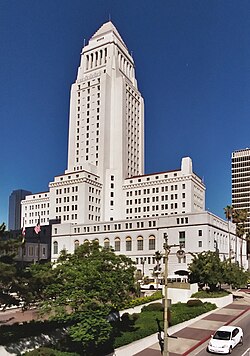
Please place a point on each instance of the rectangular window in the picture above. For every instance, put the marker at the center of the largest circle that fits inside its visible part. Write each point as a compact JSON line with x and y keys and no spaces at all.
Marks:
{"x":140,"y":245}
{"x":151,"y":245}
{"x":182,"y":239}
{"x":128,"y":245}
{"x":117,"y":245}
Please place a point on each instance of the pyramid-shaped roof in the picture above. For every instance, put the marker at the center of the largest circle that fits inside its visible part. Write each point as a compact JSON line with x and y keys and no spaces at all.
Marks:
{"x":108,"y":27}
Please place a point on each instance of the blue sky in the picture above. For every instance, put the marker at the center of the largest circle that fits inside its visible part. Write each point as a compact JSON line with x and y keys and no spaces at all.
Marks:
{"x":193,"y":69}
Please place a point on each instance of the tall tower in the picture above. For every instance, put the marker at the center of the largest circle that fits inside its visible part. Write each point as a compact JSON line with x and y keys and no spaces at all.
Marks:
{"x":106,"y":134}
{"x":15,"y":199}
{"x":106,"y":129}
{"x":241,"y":181}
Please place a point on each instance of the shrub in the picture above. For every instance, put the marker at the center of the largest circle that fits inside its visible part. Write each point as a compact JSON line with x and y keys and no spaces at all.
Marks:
{"x":143,"y":326}
{"x":153,"y":307}
{"x":143,"y":300}
{"x":208,"y":294}
{"x":194,"y":303}
{"x":181,"y":312}
{"x":46,"y":351}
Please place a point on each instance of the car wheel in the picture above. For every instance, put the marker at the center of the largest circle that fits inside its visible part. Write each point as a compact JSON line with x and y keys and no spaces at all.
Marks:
{"x":241,"y":341}
{"x":151,"y":287}
{"x":230,"y":350}
{"x":208,"y":350}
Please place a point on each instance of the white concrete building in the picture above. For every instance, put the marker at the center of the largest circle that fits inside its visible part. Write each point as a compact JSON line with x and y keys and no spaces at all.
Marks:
{"x":141,"y":238}
{"x":104,"y":193}
{"x":36,"y":207}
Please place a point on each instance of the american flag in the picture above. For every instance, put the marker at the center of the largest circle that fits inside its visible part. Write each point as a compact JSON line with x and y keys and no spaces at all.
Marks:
{"x":37,"y":228}
{"x":23,"y":231}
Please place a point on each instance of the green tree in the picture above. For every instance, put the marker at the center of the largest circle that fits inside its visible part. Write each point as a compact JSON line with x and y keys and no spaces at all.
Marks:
{"x":228,"y":210}
{"x":33,"y":280}
{"x":206,"y":268}
{"x":234,"y":274}
{"x":240,"y":218}
{"x":86,"y":286}
{"x":9,"y":279}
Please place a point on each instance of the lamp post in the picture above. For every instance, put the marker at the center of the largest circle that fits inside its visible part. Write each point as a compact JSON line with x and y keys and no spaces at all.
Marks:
{"x":167,"y":248}
{"x":143,"y":266}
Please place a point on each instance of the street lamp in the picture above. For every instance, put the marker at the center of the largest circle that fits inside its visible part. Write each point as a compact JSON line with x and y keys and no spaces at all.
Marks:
{"x":143,"y":266}
{"x":167,"y":248}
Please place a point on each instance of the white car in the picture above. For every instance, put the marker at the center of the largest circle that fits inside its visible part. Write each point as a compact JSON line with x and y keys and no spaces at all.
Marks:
{"x":152,"y":286}
{"x":225,"y":339}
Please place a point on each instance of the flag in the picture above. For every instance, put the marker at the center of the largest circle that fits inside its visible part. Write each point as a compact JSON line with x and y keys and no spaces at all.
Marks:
{"x":37,"y":228}
{"x":23,"y":235}
{"x":23,"y":231}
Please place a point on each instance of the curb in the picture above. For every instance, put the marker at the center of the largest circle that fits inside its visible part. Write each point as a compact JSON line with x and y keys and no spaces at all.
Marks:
{"x":207,"y":338}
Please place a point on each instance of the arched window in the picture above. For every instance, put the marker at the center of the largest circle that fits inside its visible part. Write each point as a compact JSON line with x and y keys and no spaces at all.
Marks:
{"x":151,"y":242}
{"x":139,"y":243}
{"x":55,"y":247}
{"x":128,"y":243}
{"x":106,"y":243}
{"x":117,"y":244}
{"x":76,"y":244}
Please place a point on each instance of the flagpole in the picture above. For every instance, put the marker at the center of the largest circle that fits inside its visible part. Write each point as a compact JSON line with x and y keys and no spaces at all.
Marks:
{"x":23,"y":241}
{"x":37,"y":231}
{"x":39,"y":240}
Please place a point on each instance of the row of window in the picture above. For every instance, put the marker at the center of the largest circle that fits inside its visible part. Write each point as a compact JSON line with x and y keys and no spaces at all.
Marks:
{"x":154,"y":208}
{"x":66,"y":217}
{"x":155,"y":190}
{"x":140,"y":243}
{"x":153,"y":199}
{"x":36,"y":213}
{"x":151,"y":260}
{"x":108,"y":227}
{"x":66,"y":208}
{"x":117,"y":243}
{"x":37,"y":206}
{"x":240,"y":179}
{"x":32,"y":251}
{"x":66,"y":199}
{"x":67,"y":190}
{"x":35,"y":221}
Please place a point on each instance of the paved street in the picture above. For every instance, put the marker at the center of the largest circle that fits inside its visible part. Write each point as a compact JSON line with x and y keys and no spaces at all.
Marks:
{"x":184,"y":341}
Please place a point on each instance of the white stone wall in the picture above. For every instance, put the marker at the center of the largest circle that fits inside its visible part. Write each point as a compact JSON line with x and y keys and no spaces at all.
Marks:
{"x":146,"y":236}
{"x":35,"y":207}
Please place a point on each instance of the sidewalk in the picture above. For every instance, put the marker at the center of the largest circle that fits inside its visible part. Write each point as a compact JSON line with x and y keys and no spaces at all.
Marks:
{"x":186,"y":337}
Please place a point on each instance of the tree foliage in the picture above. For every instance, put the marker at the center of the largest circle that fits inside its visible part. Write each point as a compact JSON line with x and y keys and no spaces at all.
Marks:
{"x":9,"y":276}
{"x":207,"y":268}
{"x":233,"y":274}
{"x":84,"y":288}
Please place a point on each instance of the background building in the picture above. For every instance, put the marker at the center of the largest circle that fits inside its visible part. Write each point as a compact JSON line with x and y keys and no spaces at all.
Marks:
{"x":241,"y":182}
{"x":15,"y":199}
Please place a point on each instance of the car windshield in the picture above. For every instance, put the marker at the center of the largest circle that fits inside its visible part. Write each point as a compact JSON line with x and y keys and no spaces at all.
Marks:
{"x":222,"y":335}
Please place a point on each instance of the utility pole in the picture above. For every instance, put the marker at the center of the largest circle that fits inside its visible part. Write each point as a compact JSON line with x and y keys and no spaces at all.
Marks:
{"x":167,"y":248}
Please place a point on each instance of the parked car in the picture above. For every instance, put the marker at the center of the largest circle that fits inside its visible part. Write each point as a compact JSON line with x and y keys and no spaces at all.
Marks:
{"x":225,"y":339}
{"x":152,"y":285}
